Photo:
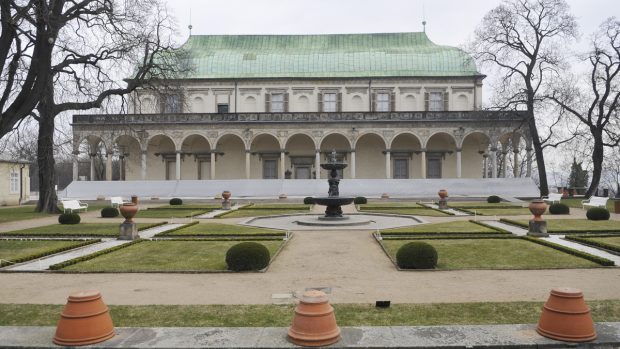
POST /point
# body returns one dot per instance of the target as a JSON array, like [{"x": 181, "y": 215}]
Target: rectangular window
[
  {"x": 14, "y": 182},
  {"x": 172, "y": 103},
  {"x": 277, "y": 103},
  {"x": 401, "y": 168},
  {"x": 330, "y": 104},
  {"x": 383, "y": 101},
  {"x": 436, "y": 101},
  {"x": 222, "y": 108},
  {"x": 270, "y": 169}
]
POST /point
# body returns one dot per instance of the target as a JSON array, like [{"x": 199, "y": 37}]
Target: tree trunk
[
  {"x": 538, "y": 152},
  {"x": 597, "y": 163},
  {"x": 45, "y": 154}
]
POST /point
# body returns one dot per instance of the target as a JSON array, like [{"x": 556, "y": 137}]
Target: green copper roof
[{"x": 316, "y": 56}]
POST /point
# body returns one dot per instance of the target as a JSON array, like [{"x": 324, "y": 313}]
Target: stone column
[
  {"x": 212, "y": 165},
  {"x": 247, "y": 164},
  {"x": 504, "y": 152},
  {"x": 529, "y": 162},
  {"x": 108, "y": 166},
  {"x": 423, "y": 163},
  {"x": 92, "y": 166},
  {"x": 388, "y": 163},
  {"x": 484, "y": 165},
  {"x": 143, "y": 165},
  {"x": 75, "y": 165},
  {"x": 178, "y": 166},
  {"x": 282, "y": 163},
  {"x": 493, "y": 155},
  {"x": 515, "y": 170},
  {"x": 459, "y": 164},
  {"x": 317, "y": 164},
  {"x": 352, "y": 164}
]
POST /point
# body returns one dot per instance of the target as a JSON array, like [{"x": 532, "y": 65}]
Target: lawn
[
  {"x": 508, "y": 211},
  {"x": 278, "y": 207},
  {"x": 215, "y": 229},
  {"x": 479, "y": 204},
  {"x": 456, "y": 227},
  {"x": 495, "y": 254},
  {"x": 612, "y": 240},
  {"x": 568, "y": 226},
  {"x": 270, "y": 315},
  {"x": 390, "y": 204},
  {"x": 608, "y": 242},
  {"x": 82, "y": 229},
  {"x": 20, "y": 213},
  {"x": 408, "y": 211},
  {"x": 14, "y": 250},
  {"x": 188, "y": 207},
  {"x": 577, "y": 203},
  {"x": 259, "y": 212},
  {"x": 167, "y": 256},
  {"x": 170, "y": 213}
]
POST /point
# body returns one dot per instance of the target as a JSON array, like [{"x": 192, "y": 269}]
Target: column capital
[
  {"x": 458, "y": 150},
  {"x": 493, "y": 149},
  {"x": 144, "y": 152},
  {"x": 423, "y": 150},
  {"x": 352, "y": 151},
  {"x": 317, "y": 151},
  {"x": 248, "y": 151},
  {"x": 178, "y": 151}
]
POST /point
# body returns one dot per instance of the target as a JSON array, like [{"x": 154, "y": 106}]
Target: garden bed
[
  {"x": 217, "y": 229},
  {"x": 74, "y": 230},
  {"x": 498, "y": 211},
  {"x": 19, "y": 251},
  {"x": 610, "y": 243},
  {"x": 447, "y": 228},
  {"x": 170, "y": 213},
  {"x": 572, "y": 226},
  {"x": 412, "y": 211}
]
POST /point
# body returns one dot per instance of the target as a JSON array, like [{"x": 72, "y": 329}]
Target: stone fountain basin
[
  {"x": 333, "y": 200},
  {"x": 334, "y": 166}
]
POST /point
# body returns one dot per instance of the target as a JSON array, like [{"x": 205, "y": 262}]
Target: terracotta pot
[
  {"x": 134, "y": 199},
  {"x": 385, "y": 196},
  {"x": 537, "y": 207},
  {"x": 566, "y": 317},
  {"x": 443, "y": 193},
  {"x": 128, "y": 210},
  {"x": 226, "y": 194},
  {"x": 314, "y": 323},
  {"x": 84, "y": 320}
]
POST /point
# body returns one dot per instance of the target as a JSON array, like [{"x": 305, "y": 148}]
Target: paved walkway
[
  {"x": 214, "y": 213},
  {"x": 508, "y": 227},
  {"x": 450, "y": 211}
]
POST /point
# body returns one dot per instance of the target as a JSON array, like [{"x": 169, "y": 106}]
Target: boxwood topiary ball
[
  {"x": 308, "y": 200},
  {"x": 360, "y": 200},
  {"x": 416, "y": 255},
  {"x": 247, "y": 256},
  {"x": 176, "y": 201},
  {"x": 109, "y": 212},
  {"x": 69, "y": 218},
  {"x": 597, "y": 214},
  {"x": 493, "y": 199},
  {"x": 559, "y": 208}
]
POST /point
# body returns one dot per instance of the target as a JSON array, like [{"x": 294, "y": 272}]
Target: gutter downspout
[
  {"x": 21, "y": 184},
  {"x": 235, "y": 97},
  {"x": 369, "y": 96}
]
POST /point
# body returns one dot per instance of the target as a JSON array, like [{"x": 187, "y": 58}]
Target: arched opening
[
  {"x": 370, "y": 157},
  {"x": 475, "y": 155},
  {"x": 161, "y": 158},
  {"x": 126, "y": 164},
  {"x": 441, "y": 156},
  {"x": 406, "y": 158},
  {"x": 196, "y": 162},
  {"x": 301, "y": 157},
  {"x": 265, "y": 159},
  {"x": 230, "y": 158},
  {"x": 91, "y": 159},
  {"x": 341, "y": 145}
]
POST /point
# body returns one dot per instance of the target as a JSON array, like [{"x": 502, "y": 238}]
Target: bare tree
[
  {"x": 522, "y": 38},
  {"x": 596, "y": 107}
]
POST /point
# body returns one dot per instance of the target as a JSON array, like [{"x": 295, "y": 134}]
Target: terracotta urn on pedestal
[
  {"x": 566, "y": 317},
  {"x": 314, "y": 323},
  {"x": 128, "y": 210},
  {"x": 84, "y": 320},
  {"x": 226, "y": 195},
  {"x": 443, "y": 193},
  {"x": 134, "y": 199},
  {"x": 537, "y": 207}
]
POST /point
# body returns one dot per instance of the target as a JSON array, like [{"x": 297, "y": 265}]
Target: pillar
[
  {"x": 459, "y": 166},
  {"x": 178, "y": 166},
  {"x": 143, "y": 165},
  {"x": 388, "y": 162},
  {"x": 529, "y": 162},
  {"x": 423, "y": 163},
  {"x": 282, "y": 163},
  {"x": 493, "y": 155},
  {"x": 92, "y": 166},
  {"x": 352, "y": 164},
  {"x": 75, "y": 165},
  {"x": 515, "y": 170},
  {"x": 317, "y": 163},
  {"x": 504, "y": 152},
  {"x": 247, "y": 164},
  {"x": 108, "y": 166},
  {"x": 212, "y": 165}
]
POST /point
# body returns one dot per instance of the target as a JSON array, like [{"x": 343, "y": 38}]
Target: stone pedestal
[
  {"x": 538, "y": 229},
  {"x": 225, "y": 204},
  {"x": 443, "y": 204},
  {"x": 128, "y": 231}
]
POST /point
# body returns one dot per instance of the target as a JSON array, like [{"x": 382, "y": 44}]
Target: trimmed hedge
[
  {"x": 416, "y": 255},
  {"x": 73, "y": 261},
  {"x": 176, "y": 201},
  {"x": 240, "y": 238},
  {"x": 559, "y": 208},
  {"x": 360, "y": 200},
  {"x": 494, "y": 199},
  {"x": 69, "y": 218},
  {"x": 586, "y": 241},
  {"x": 308, "y": 200},
  {"x": 109, "y": 212},
  {"x": 51, "y": 252},
  {"x": 247, "y": 256},
  {"x": 450, "y": 237},
  {"x": 597, "y": 214},
  {"x": 596, "y": 259}
]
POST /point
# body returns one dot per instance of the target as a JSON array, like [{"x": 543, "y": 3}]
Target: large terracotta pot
[
  {"x": 226, "y": 194},
  {"x": 84, "y": 320},
  {"x": 314, "y": 323},
  {"x": 128, "y": 210},
  {"x": 443, "y": 193},
  {"x": 537, "y": 207},
  {"x": 566, "y": 317}
]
